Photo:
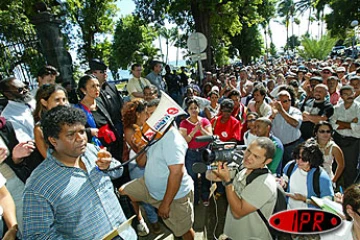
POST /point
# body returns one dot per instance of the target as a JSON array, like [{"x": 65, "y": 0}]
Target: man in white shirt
[
  {"x": 346, "y": 124},
  {"x": 136, "y": 84},
  {"x": 19, "y": 109}
]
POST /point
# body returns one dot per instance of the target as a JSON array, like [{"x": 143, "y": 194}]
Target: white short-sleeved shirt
[{"x": 169, "y": 150}]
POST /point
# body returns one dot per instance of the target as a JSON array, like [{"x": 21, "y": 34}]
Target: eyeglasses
[
  {"x": 324, "y": 131},
  {"x": 285, "y": 101},
  {"x": 251, "y": 120}
]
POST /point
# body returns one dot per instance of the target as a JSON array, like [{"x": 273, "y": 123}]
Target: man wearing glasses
[
  {"x": 46, "y": 75},
  {"x": 286, "y": 123},
  {"x": 326, "y": 72},
  {"x": 19, "y": 108},
  {"x": 346, "y": 124}
]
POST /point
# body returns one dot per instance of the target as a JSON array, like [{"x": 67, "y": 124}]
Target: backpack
[
  {"x": 280, "y": 204},
  {"x": 316, "y": 178}
]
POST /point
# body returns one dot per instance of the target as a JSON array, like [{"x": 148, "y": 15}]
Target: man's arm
[
  {"x": 173, "y": 185},
  {"x": 9, "y": 215},
  {"x": 38, "y": 217},
  {"x": 288, "y": 118},
  {"x": 238, "y": 206}
]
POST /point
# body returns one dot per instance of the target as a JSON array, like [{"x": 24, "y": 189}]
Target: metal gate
[{"x": 21, "y": 56}]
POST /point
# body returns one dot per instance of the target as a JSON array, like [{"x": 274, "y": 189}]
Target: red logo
[
  {"x": 304, "y": 221},
  {"x": 172, "y": 111},
  {"x": 149, "y": 134}
]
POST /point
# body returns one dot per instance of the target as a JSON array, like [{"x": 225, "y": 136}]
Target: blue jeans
[
  {"x": 136, "y": 172},
  {"x": 192, "y": 157}
]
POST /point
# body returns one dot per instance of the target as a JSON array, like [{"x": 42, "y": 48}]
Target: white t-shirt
[
  {"x": 344, "y": 232},
  {"x": 298, "y": 184}
]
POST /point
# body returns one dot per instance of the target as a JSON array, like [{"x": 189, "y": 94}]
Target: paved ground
[{"x": 205, "y": 218}]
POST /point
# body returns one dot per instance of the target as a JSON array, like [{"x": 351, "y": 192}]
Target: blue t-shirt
[{"x": 169, "y": 150}]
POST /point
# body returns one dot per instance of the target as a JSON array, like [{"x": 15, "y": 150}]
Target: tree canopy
[{"x": 132, "y": 43}]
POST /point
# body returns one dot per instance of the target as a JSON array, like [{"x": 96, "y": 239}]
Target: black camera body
[{"x": 223, "y": 151}]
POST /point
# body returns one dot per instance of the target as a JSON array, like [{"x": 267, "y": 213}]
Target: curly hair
[
  {"x": 45, "y": 92},
  {"x": 312, "y": 154},
  {"x": 352, "y": 198},
  {"x": 129, "y": 111},
  {"x": 59, "y": 116}
]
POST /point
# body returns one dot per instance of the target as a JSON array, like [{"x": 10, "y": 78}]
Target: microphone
[
  {"x": 210, "y": 138},
  {"x": 202, "y": 167}
]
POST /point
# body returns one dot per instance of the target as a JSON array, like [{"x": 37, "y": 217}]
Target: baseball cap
[{"x": 97, "y": 64}]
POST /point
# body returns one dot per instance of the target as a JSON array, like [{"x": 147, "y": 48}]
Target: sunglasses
[
  {"x": 326, "y": 72},
  {"x": 324, "y": 131},
  {"x": 251, "y": 120},
  {"x": 19, "y": 90},
  {"x": 285, "y": 101},
  {"x": 226, "y": 110}
]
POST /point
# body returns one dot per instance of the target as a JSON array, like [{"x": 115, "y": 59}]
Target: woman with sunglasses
[
  {"x": 299, "y": 177},
  {"x": 322, "y": 135},
  {"x": 47, "y": 97},
  {"x": 190, "y": 128}
]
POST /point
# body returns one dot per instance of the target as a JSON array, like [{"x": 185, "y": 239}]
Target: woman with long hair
[
  {"x": 47, "y": 97},
  {"x": 134, "y": 116},
  {"x": 190, "y": 128},
  {"x": 331, "y": 151},
  {"x": 100, "y": 128}
]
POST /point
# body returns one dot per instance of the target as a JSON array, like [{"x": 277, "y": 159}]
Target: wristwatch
[{"x": 227, "y": 183}]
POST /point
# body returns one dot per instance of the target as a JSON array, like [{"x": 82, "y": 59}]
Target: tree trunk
[
  {"x": 266, "y": 43},
  {"x": 161, "y": 51},
  {"x": 202, "y": 24},
  {"x": 308, "y": 29}
]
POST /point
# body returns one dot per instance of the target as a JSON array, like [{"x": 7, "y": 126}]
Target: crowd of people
[{"x": 62, "y": 149}]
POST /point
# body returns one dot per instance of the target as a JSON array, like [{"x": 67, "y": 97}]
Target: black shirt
[{"x": 315, "y": 108}]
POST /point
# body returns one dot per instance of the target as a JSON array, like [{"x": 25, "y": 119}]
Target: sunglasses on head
[{"x": 324, "y": 131}]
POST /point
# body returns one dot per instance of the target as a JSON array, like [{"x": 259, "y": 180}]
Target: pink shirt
[
  {"x": 189, "y": 126},
  {"x": 334, "y": 98}
]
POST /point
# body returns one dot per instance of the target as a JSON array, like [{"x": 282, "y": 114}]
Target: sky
[{"x": 279, "y": 31}]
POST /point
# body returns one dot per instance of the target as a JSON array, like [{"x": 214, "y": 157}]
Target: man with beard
[
  {"x": 19, "y": 109},
  {"x": 346, "y": 124},
  {"x": 315, "y": 110}
]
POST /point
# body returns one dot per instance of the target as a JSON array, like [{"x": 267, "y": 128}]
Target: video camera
[{"x": 218, "y": 151}]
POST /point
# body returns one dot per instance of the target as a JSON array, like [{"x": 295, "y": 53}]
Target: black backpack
[
  {"x": 316, "y": 178},
  {"x": 280, "y": 204}
]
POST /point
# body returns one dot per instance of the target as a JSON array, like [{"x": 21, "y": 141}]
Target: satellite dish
[{"x": 197, "y": 42}]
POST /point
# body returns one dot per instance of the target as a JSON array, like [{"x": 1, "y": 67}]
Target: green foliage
[
  {"x": 249, "y": 43},
  {"x": 218, "y": 20},
  {"x": 293, "y": 42},
  {"x": 318, "y": 49},
  {"x": 87, "y": 20},
  {"x": 132, "y": 43},
  {"x": 344, "y": 12}
]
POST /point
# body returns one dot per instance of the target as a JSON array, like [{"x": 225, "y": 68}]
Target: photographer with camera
[{"x": 242, "y": 219}]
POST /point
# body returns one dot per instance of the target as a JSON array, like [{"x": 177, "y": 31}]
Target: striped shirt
[{"x": 63, "y": 202}]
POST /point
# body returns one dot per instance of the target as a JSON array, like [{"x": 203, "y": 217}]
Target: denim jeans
[
  {"x": 137, "y": 172},
  {"x": 193, "y": 156}
]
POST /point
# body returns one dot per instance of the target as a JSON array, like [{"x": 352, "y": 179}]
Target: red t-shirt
[
  {"x": 189, "y": 126},
  {"x": 226, "y": 131}
]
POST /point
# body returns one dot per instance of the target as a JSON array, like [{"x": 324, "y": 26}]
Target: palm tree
[
  {"x": 170, "y": 36},
  {"x": 286, "y": 9},
  {"x": 304, "y": 5}
]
